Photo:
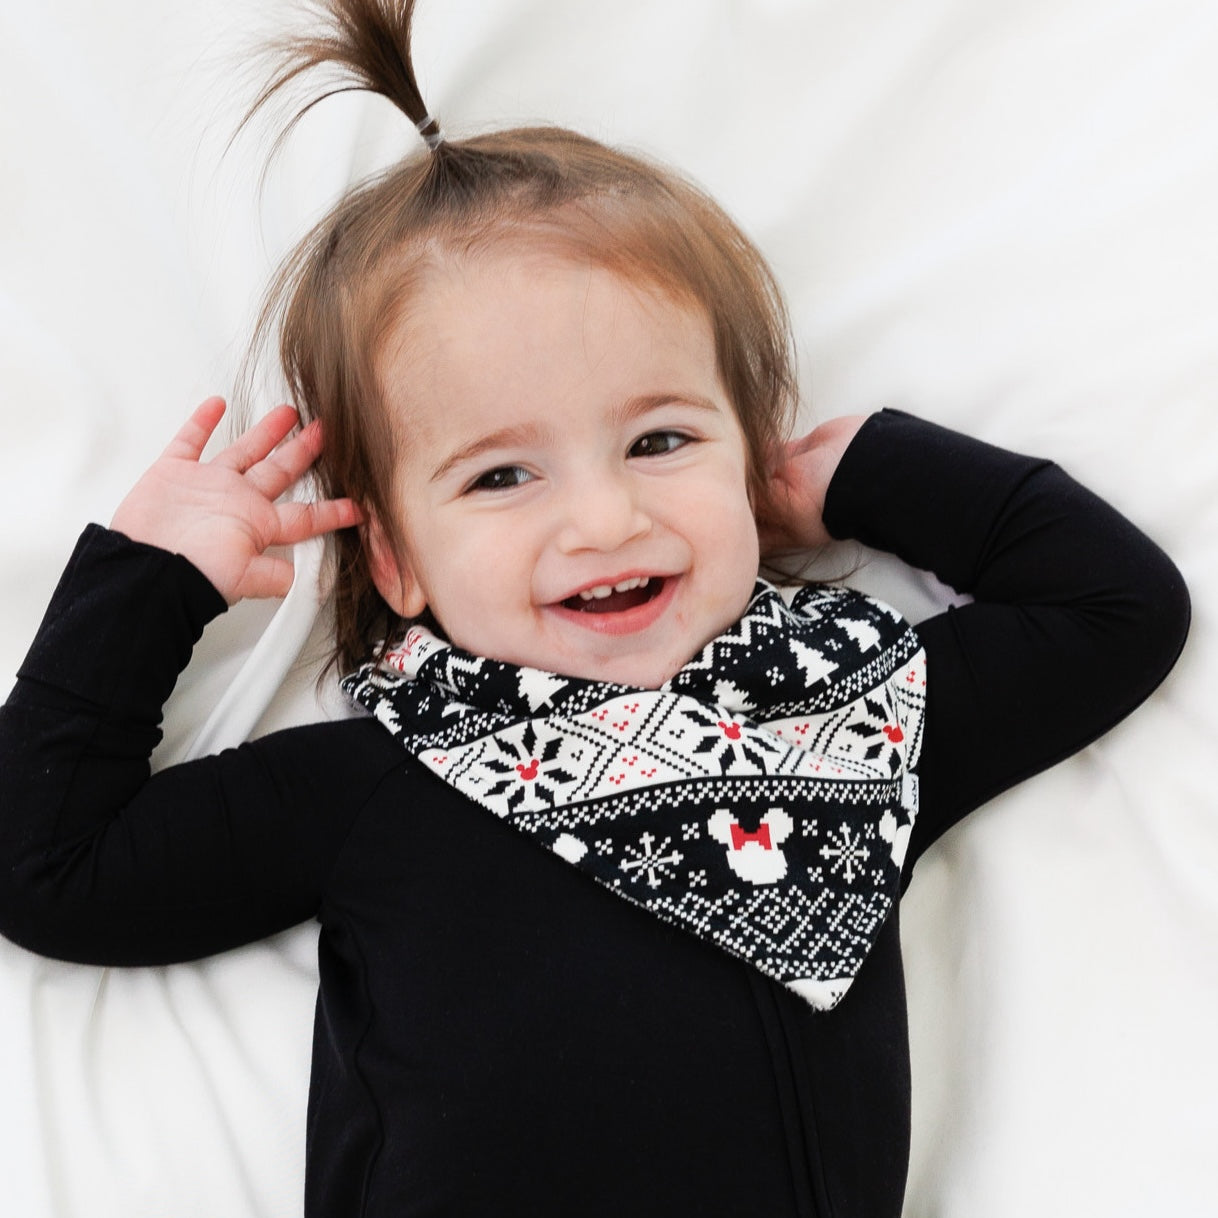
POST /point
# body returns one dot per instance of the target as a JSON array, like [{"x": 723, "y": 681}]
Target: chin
[{"x": 642, "y": 676}]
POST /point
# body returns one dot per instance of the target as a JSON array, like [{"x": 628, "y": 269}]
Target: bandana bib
[{"x": 761, "y": 799}]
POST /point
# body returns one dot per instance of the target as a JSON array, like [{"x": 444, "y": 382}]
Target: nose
[{"x": 602, "y": 511}]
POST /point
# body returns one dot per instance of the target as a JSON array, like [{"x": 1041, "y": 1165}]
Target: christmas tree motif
[
  {"x": 865, "y": 635},
  {"x": 815, "y": 665},
  {"x": 539, "y": 688}
]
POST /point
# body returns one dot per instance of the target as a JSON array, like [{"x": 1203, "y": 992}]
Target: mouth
[
  {"x": 625, "y": 607},
  {"x": 619, "y": 597}
]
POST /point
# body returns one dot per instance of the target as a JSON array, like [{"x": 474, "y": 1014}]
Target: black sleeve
[
  {"x": 1077, "y": 616},
  {"x": 103, "y": 864}
]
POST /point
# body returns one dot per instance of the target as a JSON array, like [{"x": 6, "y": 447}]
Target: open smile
[
  {"x": 623, "y": 607},
  {"x": 616, "y": 598}
]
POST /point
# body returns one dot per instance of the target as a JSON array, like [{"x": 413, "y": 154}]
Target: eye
[
  {"x": 502, "y": 478},
  {"x": 656, "y": 443}
]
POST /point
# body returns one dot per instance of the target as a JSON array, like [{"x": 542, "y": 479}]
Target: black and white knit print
[{"x": 762, "y": 798}]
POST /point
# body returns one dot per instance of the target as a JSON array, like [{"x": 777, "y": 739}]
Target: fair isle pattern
[{"x": 762, "y": 798}]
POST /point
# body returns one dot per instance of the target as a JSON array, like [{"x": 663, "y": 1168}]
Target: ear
[{"x": 394, "y": 578}]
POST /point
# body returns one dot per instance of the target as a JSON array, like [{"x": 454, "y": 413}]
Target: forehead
[{"x": 519, "y": 331}]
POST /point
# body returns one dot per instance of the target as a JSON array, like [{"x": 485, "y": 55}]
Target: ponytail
[{"x": 369, "y": 42}]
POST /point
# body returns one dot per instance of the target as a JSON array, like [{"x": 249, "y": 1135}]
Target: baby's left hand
[{"x": 799, "y": 480}]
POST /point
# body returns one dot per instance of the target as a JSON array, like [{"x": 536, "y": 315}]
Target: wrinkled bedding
[{"x": 998, "y": 217}]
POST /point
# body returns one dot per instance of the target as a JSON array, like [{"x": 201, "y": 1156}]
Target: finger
[
  {"x": 266, "y": 576},
  {"x": 782, "y": 455},
  {"x": 300, "y": 521},
  {"x": 192, "y": 438},
  {"x": 259, "y": 441},
  {"x": 288, "y": 463},
  {"x": 802, "y": 444}
]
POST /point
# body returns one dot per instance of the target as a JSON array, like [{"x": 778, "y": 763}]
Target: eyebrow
[
  {"x": 520, "y": 435},
  {"x": 633, "y": 408},
  {"x": 523, "y": 435}
]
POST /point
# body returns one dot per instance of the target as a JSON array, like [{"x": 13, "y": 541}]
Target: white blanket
[{"x": 1001, "y": 217}]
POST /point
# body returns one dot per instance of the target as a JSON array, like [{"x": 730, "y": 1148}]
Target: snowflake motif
[
  {"x": 875, "y": 733},
  {"x": 649, "y": 858},
  {"x": 604, "y": 846},
  {"x": 690, "y": 830},
  {"x": 724, "y": 742},
  {"x": 697, "y": 879},
  {"x": 809, "y": 828},
  {"x": 530, "y": 766},
  {"x": 846, "y": 852}
]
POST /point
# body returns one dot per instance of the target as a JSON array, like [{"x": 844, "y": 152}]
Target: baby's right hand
[
  {"x": 791, "y": 518},
  {"x": 222, "y": 514}
]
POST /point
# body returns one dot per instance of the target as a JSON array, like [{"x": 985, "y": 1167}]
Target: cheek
[
  {"x": 472, "y": 571},
  {"x": 747, "y": 551},
  {"x": 727, "y": 502},
  {"x": 742, "y": 555},
  {"x": 727, "y": 533}
]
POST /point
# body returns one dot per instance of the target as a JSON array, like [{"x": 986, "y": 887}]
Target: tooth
[{"x": 600, "y": 591}]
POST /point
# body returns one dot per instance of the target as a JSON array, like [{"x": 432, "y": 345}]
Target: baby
[{"x": 548, "y": 388}]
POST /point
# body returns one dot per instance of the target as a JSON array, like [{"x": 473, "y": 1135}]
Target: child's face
[{"x": 572, "y": 488}]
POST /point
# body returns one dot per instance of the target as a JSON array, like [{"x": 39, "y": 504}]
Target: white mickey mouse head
[{"x": 753, "y": 855}]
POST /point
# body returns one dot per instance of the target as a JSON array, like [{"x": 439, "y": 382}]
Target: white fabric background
[{"x": 998, "y": 216}]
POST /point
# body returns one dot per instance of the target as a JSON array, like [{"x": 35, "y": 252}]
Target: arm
[
  {"x": 1077, "y": 616},
  {"x": 98, "y": 862}
]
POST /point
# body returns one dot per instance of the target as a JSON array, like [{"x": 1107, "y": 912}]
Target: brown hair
[{"x": 339, "y": 294}]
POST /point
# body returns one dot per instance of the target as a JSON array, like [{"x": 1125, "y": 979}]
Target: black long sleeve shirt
[{"x": 496, "y": 1034}]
